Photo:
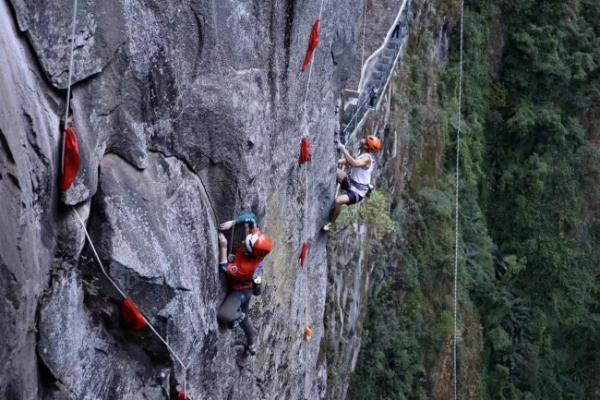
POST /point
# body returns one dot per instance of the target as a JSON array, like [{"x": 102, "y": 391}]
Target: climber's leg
[
  {"x": 247, "y": 326},
  {"x": 229, "y": 313},
  {"x": 337, "y": 206}
]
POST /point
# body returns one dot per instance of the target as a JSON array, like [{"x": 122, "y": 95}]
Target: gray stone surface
[{"x": 186, "y": 113}]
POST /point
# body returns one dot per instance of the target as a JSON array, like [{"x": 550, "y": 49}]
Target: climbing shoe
[
  {"x": 252, "y": 349},
  {"x": 237, "y": 322}
]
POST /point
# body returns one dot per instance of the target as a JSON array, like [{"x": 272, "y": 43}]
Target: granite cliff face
[{"x": 187, "y": 113}]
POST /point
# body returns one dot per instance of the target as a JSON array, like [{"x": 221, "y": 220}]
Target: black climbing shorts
[{"x": 353, "y": 196}]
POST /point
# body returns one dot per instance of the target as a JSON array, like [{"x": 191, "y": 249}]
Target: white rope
[
  {"x": 456, "y": 202},
  {"x": 96, "y": 256},
  {"x": 68, "y": 101},
  {"x": 164, "y": 342},
  {"x": 121, "y": 292},
  {"x": 312, "y": 62},
  {"x": 321, "y": 9},
  {"x": 362, "y": 59}
]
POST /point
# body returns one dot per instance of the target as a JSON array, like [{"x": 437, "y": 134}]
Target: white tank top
[{"x": 362, "y": 177}]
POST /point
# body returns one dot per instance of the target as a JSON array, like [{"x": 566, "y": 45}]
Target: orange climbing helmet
[
  {"x": 373, "y": 143},
  {"x": 258, "y": 243}
]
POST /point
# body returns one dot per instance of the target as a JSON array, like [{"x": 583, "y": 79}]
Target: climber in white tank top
[
  {"x": 360, "y": 178},
  {"x": 357, "y": 184}
]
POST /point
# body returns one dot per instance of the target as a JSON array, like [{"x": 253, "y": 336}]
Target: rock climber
[
  {"x": 396, "y": 32},
  {"x": 373, "y": 93},
  {"x": 244, "y": 275},
  {"x": 357, "y": 184}
]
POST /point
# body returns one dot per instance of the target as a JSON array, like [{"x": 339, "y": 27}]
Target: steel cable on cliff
[{"x": 456, "y": 204}]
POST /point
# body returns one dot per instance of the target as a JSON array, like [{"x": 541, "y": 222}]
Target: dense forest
[{"x": 529, "y": 304}]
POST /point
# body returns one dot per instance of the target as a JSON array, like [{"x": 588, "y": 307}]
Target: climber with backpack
[
  {"x": 243, "y": 271},
  {"x": 357, "y": 184}
]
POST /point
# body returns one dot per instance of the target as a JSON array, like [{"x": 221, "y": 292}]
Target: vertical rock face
[
  {"x": 357, "y": 262},
  {"x": 186, "y": 113},
  {"x": 28, "y": 235}
]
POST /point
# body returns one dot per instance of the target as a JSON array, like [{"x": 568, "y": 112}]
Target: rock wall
[{"x": 187, "y": 113}]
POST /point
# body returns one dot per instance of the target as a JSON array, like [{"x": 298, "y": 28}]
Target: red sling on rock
[
  {"x": 313, "y": 41},
  {"x": 131, "y": 316},
  {"x": 305, "y": 151},
  {"x": 71, "y": 159}
]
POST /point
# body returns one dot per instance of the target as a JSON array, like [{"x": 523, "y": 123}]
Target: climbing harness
[{"x": 456, "y": 203}]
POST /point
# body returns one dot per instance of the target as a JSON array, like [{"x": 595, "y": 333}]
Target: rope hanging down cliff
[
  {"x": 121, "y": 292},
  {"x": 313, "y": 42},
  {"x": 317, "y": 22},
  {"x": 305, "y": 155},
  {"x": 456, "y": 203},
  {"x": 70, "y": 153},
  {"x": 70, "y": 76}
]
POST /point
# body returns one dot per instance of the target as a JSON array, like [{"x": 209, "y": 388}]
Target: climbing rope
[
  {"x": 70, "y": 75},
  {"x": 364, "y": 35},
  {"x": 232, "y": 233},
  {"x": 96, "y": 256},
  {"x": 121, "y": 292},
  {"x": 78, "y": 216},
  {"x": 456, "y": 202}
]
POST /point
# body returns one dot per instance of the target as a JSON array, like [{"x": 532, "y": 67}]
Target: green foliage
[
  {"x": 529, "y": 252},
  {"x": 91, "y": 286},
  {"x": 375, "y": 212}
]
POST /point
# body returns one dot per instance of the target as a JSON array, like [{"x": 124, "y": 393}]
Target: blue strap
[{"x": 246, "y": 218}]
